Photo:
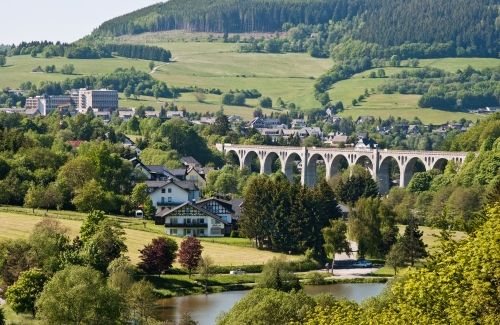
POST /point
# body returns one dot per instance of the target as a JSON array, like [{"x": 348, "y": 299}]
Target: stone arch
[
  {"x": 365, "y": 162},
  {"x": 233, "y": 158},
  {"x": 269, "y": 162},
  {"x": 413, "y": 165},
  {"x": 387, "y": 168},
  {"x": 440, "y": 164},
  {"x": 311, "y": 175},
  {"x": 250, "y": 159},
  {"x": 288, "y": 166},
  {"x": 339, "y": 163}
]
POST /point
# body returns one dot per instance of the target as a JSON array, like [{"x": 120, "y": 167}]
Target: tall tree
[
  {"x": 396, "y": 257},
  {"x": 335, "y": 238},
  {"x": 206, "y": 269},
  {"x": 105, "y": 245},
  {"x": 412, "y": 242},
  {"x": 190, "y": 254}
]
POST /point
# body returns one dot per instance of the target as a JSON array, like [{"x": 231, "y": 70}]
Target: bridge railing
[{"x": 394, "y": 152}]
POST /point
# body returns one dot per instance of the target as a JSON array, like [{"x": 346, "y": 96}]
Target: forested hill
[{"x": 466, "y": 23}]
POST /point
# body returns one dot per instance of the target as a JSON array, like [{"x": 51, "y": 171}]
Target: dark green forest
[{"x": 471, "y": 26}]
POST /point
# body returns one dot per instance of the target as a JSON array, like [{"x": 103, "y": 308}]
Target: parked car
[
  {"x": 363, "y": 263},
  {"x": 235, "y": 272}
]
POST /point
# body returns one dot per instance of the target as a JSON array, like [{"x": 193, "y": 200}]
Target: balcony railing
[
  {"x": 165, "y": 203},
  {"x": 186, "y": 225}
]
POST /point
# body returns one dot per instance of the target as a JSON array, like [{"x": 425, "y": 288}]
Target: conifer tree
[{"x": 413, "y": 245}]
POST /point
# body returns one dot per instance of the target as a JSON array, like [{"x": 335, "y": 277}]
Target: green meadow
[{"x": 289, "y": 76}]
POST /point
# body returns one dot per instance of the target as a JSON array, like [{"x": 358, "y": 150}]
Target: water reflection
[{"x": 206, "y": 308}]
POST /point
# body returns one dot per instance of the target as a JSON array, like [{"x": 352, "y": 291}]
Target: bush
[
  {"x": 316, "y": 278},
  {"x": 266, "y": 102},
  {"x": 234, "y": 234}
]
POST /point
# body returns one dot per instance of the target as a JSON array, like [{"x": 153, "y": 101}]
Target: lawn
[
  {"x": 219, "y": 65},
  {"x": 405, "y": 106},
  {"x": 18, "y": 222},
  {"x": 187, "y": 101},
  {"x": 19, "y": 68}
]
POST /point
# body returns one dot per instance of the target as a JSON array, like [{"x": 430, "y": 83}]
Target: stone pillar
[
  {"x": 304, "y": 179},
  {"x": 376, "y": 164}
]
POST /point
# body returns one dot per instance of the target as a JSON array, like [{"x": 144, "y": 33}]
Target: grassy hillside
[
  {"x": 19, "y": 68},
  {"x": 219, "y": 65},
  {"x": 405, "y": 106},
  {"x": 18, "y": 222}
]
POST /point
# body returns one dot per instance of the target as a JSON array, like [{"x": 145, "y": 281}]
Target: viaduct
[{"x": 377, "y": 161}]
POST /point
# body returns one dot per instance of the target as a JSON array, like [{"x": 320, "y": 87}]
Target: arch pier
[{"x": 382, "y": 164}]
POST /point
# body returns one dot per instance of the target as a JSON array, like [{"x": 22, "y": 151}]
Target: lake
[{"x": 205, "y": 308}]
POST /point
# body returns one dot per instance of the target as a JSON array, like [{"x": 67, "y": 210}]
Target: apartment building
[
  {"x": 46, "y": 104},
  {"x": 102, "y": 100}
]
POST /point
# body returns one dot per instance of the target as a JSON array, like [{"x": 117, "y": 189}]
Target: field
[
  {"x": 187, "y": 101},
  {"x": 19, "y": 68},
  {"x": 18, "y": 222},
  {"x": 290, "y": 76},
  {"x": 405, "y": 106}
]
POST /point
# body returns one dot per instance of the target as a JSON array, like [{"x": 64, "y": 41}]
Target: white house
[
  {"x": 172, "y": 193},
  {"x": 191, "y": 220}
]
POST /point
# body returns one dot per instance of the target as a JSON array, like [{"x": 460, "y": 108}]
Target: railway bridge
[{"x": 377, "y": 161}]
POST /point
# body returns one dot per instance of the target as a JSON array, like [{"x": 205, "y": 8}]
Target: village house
[
  {"x": 126, "y": 114},
  {"x": 151, "y": 114},
  {"x": 172, "y": 114},
  {"x": 190, "y": 161},
  {"x": 336, "y": 140},
  {"x": 298, "y": 123},
  {"x": 190, "y": 219},
  {"x": 198, "y": 176},
  {"x": 266, "y": 123},
  {"x": 171, "y": 193}
]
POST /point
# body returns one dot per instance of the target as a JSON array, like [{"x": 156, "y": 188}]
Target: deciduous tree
[
  {"x": 23, "y": 294},
  {"x": 78, "y": 295},
  {"x": 158, "y": 256},
  {"x": 190, "y": 254}
]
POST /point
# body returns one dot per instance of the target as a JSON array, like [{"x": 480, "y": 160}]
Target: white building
[
  {"x": 172, "y": 193},
  {"x": 101, "y": 100},
  {"x": 46, "y": 104},
  {"x": 189, "y": 219}
]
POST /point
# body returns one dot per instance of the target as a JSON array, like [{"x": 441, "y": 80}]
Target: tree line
[
  {"x": 465, "y": 89},
  {"x": 83, "y": 50},
  {"x": 468, "y": 28}
]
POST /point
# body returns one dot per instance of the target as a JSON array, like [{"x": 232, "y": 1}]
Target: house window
[
  {"x": 187, "y": 231},
  {"x": 173, "y": 232},
  {"x": 174, "y": 221},
  {"x": 188, "y": 221},
  {"x": 201, "y": 220},
  {"x": 169, "y": 199},
  {"x": 163, "y": 190},
  {"x": 169, "y": 190},
  {"x": 201, "y": 232}
]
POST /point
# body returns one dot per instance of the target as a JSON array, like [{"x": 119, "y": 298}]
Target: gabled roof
[
  {"x": 185, "y": 185},
  {"x": 208, "y": 213},
  {"x": 189, "y": 160},
  {"x": 158, "y": 169},
  {"x": 224, "y": 203}
]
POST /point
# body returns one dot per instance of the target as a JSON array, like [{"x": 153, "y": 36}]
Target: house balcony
[
  {"x": 186, "y": 225},
  {"x": 167, "y": 204}
]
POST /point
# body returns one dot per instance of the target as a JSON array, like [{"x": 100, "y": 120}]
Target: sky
[{"x": 59, "y": 20}]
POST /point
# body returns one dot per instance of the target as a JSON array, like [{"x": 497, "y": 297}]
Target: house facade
[
  {"x": 189, "y": 219},
  {"x": 171, "y": 193}
]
